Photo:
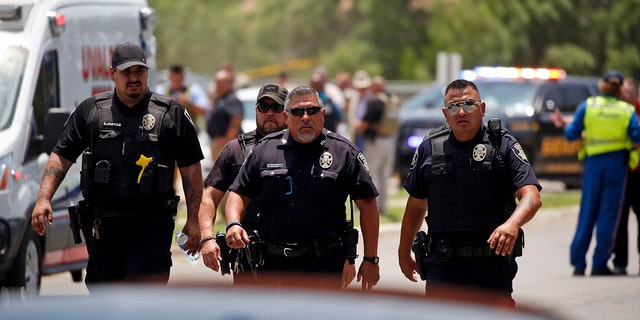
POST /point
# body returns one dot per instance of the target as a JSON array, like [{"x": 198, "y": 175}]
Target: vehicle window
[
  {"x": 507, "y": 98},
  {"x": 566, "y": 97},
  {"x": 432, "y": 97},
  {"x": 47, "y": 91},
  {"x": 12, "y": 62}
]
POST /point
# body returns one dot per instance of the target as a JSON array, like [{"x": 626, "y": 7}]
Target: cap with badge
[
  {"x": 127, "y": 55},
  {"x": 274, "y": 91}
]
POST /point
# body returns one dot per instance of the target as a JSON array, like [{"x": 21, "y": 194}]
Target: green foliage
[{"x": 399, "y": 39}]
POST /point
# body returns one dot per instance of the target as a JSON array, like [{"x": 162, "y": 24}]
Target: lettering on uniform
[
  {"x": 112, "y": 124},
  {"x": 363, "y": 161},
  {"x": 326, "y": 159},
  {"x": 273, "y": 165},
  {"x": 148, "y": 121},
  {"x": 414, "y": 160},
  {"x": 519, "y": 152},
  {"x": 479, "y": 152},
  {"x": 188, "y": 116}
]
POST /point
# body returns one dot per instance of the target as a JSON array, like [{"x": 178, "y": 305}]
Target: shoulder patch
[
  {"x": 363, "y": 161},
  {"x": 414, "y": 160},
  {"x": 519, "y": 153}
]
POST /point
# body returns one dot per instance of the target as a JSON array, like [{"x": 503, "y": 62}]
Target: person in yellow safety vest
[{"x": 609, "y": 128}]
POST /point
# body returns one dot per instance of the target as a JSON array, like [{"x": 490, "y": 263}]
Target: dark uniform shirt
[
  {"x": 375, "y": 109},
  {"x": 177, "y": 142},
  {"x": 219, "y": 118},
  {"x": 304, "y": 187},
  {"x": 464, "y": 194},
  {"x": 225, "y": 170}
]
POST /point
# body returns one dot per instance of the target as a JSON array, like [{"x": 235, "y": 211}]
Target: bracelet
[
  {"x": 231, "y": 224},
  {"x": 207, "y": 239}
]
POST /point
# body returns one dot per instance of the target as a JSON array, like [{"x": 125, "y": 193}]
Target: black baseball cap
[
  {"x": 274, "y": 91},
  {"x": 126, "y": 55},
  {"x": 613, "y": 76}
]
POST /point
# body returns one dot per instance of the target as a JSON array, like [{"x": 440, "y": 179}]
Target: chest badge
[
  {"x": 148, "y": 121},
  {"x": 326, "y": 159},
  {"x": 479, "y": 152}
]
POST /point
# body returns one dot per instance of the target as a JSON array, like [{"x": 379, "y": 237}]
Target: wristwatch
[{"x": 374, "y": 260}]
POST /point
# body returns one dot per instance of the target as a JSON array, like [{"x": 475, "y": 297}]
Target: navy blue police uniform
[
  {"x": 226, "y": 169},
  {"x": 470, "y": 190},
  {"x": 130, "y": 215},
  {"x": 304, "y": 188}
]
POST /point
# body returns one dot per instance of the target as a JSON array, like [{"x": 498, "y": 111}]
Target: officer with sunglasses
[
  {"x": 467, "y": 176},
  {"x": 303, "y": 177},
  {"x": 270, "y": 118}
]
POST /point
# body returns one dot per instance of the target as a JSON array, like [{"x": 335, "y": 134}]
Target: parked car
[{"x": 523, "y": 99}]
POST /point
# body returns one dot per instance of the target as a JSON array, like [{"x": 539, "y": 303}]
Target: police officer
[
  {"x": 303, "y": 176},
  {"x": 132, "y": 139},
  {"x": 467, "y": 177},
  {"x": 270, "y": 117}
]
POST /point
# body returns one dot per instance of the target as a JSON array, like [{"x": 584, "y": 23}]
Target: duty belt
[
  {"x": 291, "y": 251},
  {"x": 445, "y": 250}
]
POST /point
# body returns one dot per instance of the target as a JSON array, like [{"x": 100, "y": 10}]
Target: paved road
[{"x": 544, "y": 278}]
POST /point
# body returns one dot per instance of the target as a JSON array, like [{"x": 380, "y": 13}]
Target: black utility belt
[
  {"x": 107, "y": 213},
  {"x": 444, "y": 249},
  {"x": 318, "y": 248}
]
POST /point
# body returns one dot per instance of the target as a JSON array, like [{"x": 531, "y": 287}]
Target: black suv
[{"x": 524, "y": 106}]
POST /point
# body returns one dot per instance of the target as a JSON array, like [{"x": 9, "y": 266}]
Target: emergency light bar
[{"x": 513, "y": 73}]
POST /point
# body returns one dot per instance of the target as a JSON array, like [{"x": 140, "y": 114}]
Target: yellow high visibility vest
[{"x": 606, "y": 121}]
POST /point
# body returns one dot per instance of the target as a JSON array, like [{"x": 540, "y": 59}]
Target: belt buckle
[{"x": 287, "y": 250}]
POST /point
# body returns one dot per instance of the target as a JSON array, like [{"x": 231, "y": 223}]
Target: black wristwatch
[{"x": 374, "y": 260}]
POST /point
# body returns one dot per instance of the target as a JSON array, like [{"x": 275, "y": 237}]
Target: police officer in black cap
[
  {"x": 303, "y": 177},
  {"x": 467, "y": 176},
  {"x": 270, "y": 117},
  {"x": 131, "y": 140}
]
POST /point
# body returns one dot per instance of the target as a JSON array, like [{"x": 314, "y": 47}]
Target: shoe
[
  {"x": 620, "y": 271},
  {"x": 602, "y": 272},
  {"x": 578, "y": 272}
]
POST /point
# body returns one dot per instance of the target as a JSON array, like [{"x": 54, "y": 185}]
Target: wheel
[
  {"x": 26, "y": 272},
  {"x": 76, "y": 275}
]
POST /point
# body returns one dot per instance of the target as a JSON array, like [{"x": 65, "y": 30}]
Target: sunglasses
[
  {"x": 467, "y": 105},
  {"x": 264, "y": 108},
  {"x": 299, "y": 112}
]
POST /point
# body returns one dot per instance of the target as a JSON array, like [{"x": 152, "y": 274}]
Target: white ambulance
[{"x": 53, "y": 55}]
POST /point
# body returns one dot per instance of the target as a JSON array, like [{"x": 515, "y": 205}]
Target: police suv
[
  {"x": 524, "y": 99},
  {"x": 53, "y": 55}
]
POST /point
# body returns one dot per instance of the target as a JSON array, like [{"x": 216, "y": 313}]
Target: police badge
[
  {"x": 479, "y": 152},
  {"x": 326, "y": 159},
  {"x": 148, "y": 121}
]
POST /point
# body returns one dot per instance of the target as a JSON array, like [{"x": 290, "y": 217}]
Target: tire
[{"x": 26, "y": 272}]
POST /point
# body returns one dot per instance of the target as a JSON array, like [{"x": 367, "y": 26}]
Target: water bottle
[{"x": 181, "y": 240}]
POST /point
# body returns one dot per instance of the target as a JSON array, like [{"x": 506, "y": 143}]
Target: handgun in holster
[
  {"x": 350, "y": 242},
  {"x": 519, "y": 245},
  {"x": 225, "y": 264},
  {"x": 421, "y": 249},
  {"x": 75, "y": 222},
  {"x": 254, "y": 253}
]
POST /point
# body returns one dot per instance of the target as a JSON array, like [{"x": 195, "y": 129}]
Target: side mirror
[{"x": 53, "y": 125}]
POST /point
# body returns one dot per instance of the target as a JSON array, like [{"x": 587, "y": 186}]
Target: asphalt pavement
[{"x": 543, "y": 281}]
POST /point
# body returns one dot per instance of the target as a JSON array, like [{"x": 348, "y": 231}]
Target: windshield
[
  {"x": 501, "y": 98},
  {"x": 12, "y": 62},
  {"x": 508, "y": 98}
]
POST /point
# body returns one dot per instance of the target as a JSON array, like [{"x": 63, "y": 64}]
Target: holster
[
  {"x": 350, "y": 242},
  {"x": 75, "y": 212},
  {"x": 421, "y": 249},
  {"x": 225, "y": 264}
]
